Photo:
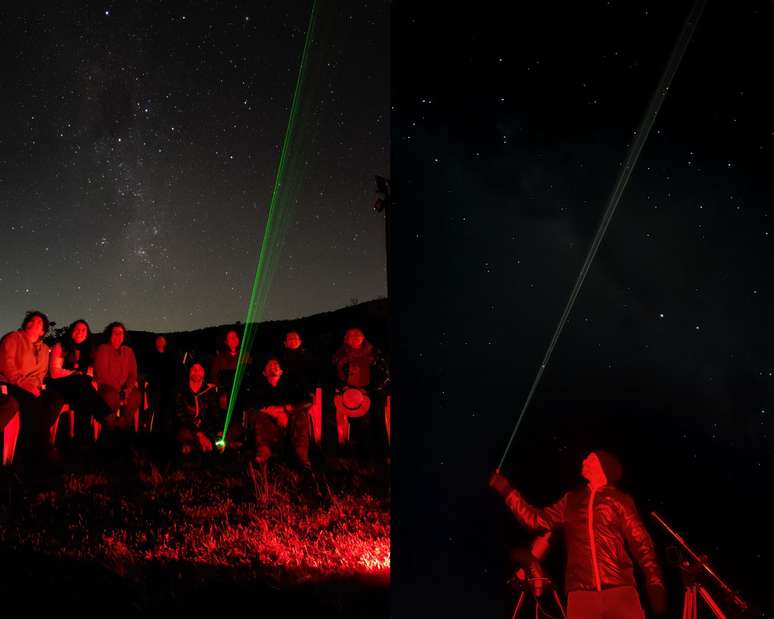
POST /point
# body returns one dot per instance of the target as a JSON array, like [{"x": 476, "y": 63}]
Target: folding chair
[
  {"x": 10, "y": 432},
  {"x": 65, "y": 410}
]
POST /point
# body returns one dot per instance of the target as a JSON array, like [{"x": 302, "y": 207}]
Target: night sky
[
  {"x": 507, "y": 133},
  {"x": 139, "y": 147}
]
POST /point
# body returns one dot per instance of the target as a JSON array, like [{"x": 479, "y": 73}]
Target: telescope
[{"x": 691, "y": 570}]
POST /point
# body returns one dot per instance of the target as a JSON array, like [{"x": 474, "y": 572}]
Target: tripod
[
  {"x": 690, "y": 600},
  {"x": 536, "y": 587},
  {"x": 693, "y": 588},
  {"x": 694, "y": 591}
]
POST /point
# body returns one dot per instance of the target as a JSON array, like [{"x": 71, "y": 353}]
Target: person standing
[
  {"x": 164, "y": 372},
  {"x": 602, "y": 532},
  {"x": 298, "y": 364},
  {"x": 224, "y": 366}
]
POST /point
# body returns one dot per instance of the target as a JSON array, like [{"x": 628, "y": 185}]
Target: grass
[{"x": 130, "y": 515}]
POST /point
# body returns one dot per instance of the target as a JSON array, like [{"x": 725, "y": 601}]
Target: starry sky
[
  {"x": 139, "y": 148},
  {"x": 508, "y": 134}
]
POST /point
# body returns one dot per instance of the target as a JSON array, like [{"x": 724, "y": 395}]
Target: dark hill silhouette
[{"x": 321, "y": 333}]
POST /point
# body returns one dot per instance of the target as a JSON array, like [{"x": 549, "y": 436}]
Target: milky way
[{"x": 140, "y": 146}]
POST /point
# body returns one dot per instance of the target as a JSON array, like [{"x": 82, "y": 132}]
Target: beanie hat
[{"x": 610, "y": 465}]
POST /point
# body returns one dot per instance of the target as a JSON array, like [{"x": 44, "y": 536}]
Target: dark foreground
[{"x": 125, "y": 532}]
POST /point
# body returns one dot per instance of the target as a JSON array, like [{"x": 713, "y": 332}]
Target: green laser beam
[{"x": 266, "y": 256}]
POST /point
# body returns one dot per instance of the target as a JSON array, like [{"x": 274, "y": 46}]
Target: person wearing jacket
[
  {"x": 71, "y": 369},
  {"x": 602, "y": 532},
  {"x": 280, "y": 413},
  {"x": 299, "y": 365},
  {"x": 23, "y": 368},
  {"x": 355, "y": 359},
  {"x": 360, "y": 365},
  {"x": 196, "y": 413},
  {"x": 115, "y": 371},
  {"x": 165, "y": 373},
  {"x": 224, "y": 366}
]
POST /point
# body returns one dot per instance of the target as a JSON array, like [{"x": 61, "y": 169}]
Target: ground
[{"x": 120, "y": 529}]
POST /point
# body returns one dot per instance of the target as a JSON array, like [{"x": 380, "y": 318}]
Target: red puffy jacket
[{"x": 598, "y": 560}]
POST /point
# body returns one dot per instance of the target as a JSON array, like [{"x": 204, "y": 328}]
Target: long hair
[
  {"x": 75, "y": 323},
  {"x": 109, "y": 329},
  {"x": 69, "y": 347}
]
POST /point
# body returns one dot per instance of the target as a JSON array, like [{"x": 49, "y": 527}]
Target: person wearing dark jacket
[
  {"x": 600, "y": 523},
  {"x": 196, "y": 413},
  {"x": 164, "y": 372},
  {"x": 71, "y": 370},
  {"x": 280, "y": 411},
  {"x": 224, "y": 365},
  {"x": 298, "y": 364}
]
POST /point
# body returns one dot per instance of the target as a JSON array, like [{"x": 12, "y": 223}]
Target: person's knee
[
  {"x": 133, "y": 400},
  {"x": 132, "y": 404},
  {"x": 300, "y": 418},
  {"x": 185, "y": 440},
  {"x": 99, "y": 406},
  {"x": 110, "y": 396},
  {"x": 9, "y": 408},
  {"x": 55, "y": 401}
]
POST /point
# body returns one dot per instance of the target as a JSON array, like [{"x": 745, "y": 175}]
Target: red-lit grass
[{"x": 213, "y": 513}]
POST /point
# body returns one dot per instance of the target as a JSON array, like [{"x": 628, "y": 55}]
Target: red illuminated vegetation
[{"x": 213, "y": 515}]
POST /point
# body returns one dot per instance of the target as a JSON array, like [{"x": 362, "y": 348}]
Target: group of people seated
[{"x": 189, "y": 401}]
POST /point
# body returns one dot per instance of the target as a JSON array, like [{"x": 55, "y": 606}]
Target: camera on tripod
[{"x": 530, "y": 578}]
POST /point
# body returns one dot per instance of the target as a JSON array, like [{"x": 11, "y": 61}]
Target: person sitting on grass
[
  {"x": 196, "y": 413},
  {"x": 280, "y": 413}
]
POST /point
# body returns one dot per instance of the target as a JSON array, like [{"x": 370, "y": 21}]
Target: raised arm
[{"x": 534, "y": 518}]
